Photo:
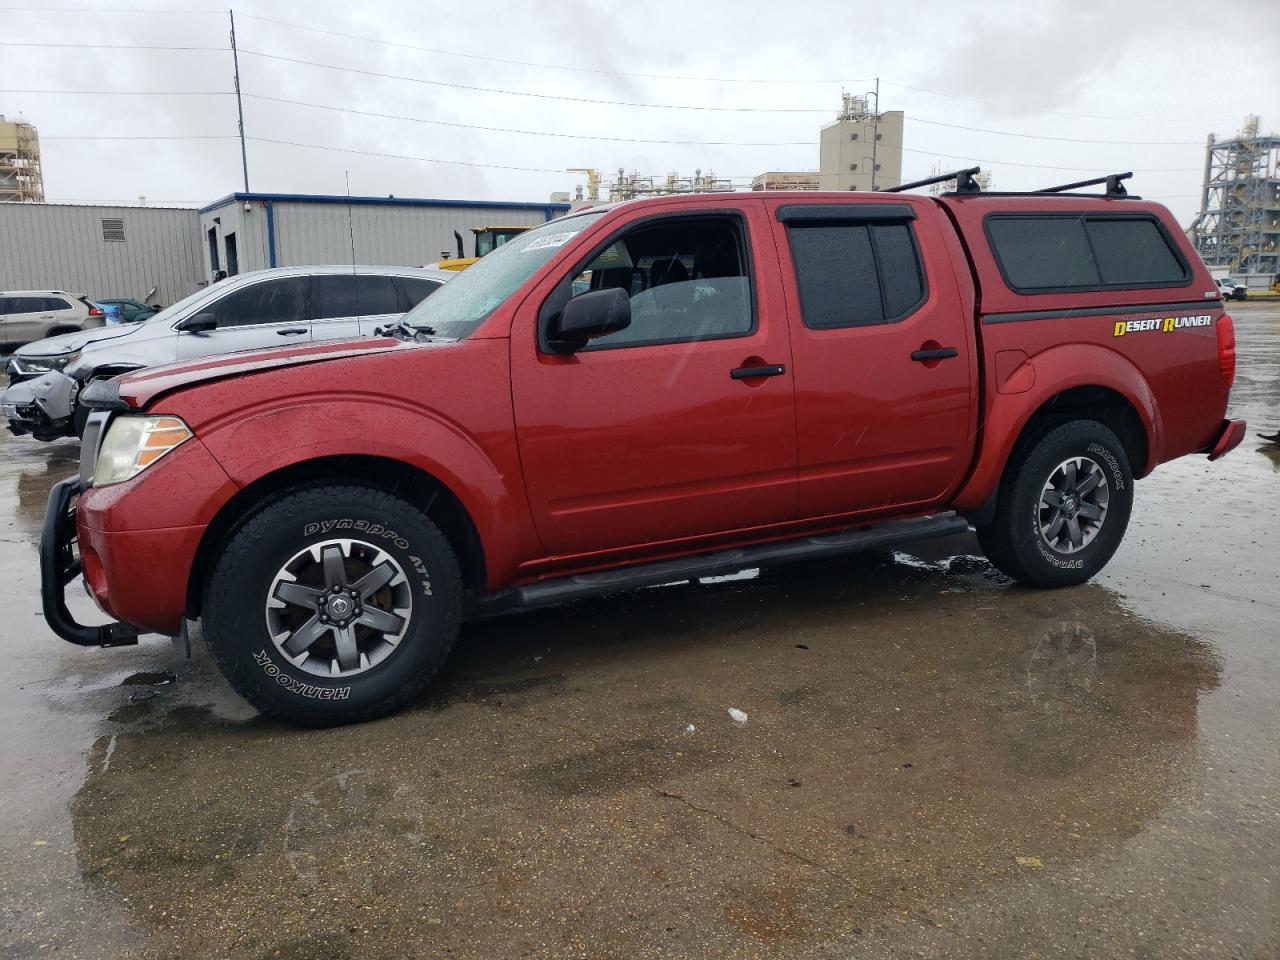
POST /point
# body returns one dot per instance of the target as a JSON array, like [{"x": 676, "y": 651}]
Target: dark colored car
[{"x": 131, "y": 311}]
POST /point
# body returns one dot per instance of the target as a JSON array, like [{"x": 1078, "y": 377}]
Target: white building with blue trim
[
  {"x": 127, "y": 251},
  {"x": 251, "y": 231}
]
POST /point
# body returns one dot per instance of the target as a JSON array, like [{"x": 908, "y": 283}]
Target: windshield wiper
[{"x": 405, "y": 329}]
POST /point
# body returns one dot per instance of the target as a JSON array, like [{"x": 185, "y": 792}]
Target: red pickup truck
[{"x": 654, "y": 391}]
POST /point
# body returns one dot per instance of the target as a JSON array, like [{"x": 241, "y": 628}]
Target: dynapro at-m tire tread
[
  {"x": 234, "y": 619},
  {"x": 1012, "y": 541}
]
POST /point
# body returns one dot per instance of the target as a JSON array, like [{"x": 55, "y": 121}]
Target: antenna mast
[{"x": 235, "y": 59}]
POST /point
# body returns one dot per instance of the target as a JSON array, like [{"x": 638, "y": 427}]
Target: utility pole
[
  {"x": 235, "y": 59},
  {"x": 875, "y": 137}
]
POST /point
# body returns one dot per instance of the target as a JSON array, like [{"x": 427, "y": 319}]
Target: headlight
[
  {"x": 134, "y": 443},
  {"x": 44, "y": 364}
]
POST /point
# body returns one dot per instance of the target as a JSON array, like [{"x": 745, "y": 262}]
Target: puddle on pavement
[{"x": 915, "y": 724}]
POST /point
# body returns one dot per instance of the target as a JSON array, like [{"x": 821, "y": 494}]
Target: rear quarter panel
[{"x": 1168, "y": 371}]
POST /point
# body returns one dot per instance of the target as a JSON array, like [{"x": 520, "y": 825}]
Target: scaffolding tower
[
  {"x": 20, "y": 179},
  {"x": 1238, "y": 226}
]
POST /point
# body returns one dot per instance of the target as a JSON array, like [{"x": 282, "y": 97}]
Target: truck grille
[{"x": 89, "y": 445}]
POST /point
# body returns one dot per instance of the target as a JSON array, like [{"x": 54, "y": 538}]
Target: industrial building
[
  {"x": 121, "y": 251},
  {"x": 103, "y": 251},
  {"x": 786, "y": 180},
  {"x": 1238, "y": 226},
  {"x": 20, "y": 177},
  {"x": 252, "y": 231},
  {"x": 860, "y": 150}
]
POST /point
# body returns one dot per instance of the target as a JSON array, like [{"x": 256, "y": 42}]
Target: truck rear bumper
[{"x": 1229, "y": 436}]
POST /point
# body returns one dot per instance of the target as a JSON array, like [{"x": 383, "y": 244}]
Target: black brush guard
[{"x": 59, "y": 565}]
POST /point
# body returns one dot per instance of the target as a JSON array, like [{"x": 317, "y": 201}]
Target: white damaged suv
[{"x": 253, "y": 311}]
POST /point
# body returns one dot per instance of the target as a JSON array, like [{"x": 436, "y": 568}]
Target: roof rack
[
  {"x": 1114, "y": 187},
  {"x": 966, "y": 181}
]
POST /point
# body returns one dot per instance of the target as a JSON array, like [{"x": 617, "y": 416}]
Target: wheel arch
[
  {"x": 414, "y": 484},
  {"x": 1073, "y": 381}
]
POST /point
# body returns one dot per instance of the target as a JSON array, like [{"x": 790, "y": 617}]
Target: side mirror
[
  {"x": 199, "y": 323},
  {"x": 589, "y": 315}
]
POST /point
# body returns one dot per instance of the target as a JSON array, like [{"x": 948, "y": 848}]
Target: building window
[
  {"x": 853, "y": 136},
  {"x": 879, "y": 136},
  {"x": 877, "y": 168},
  {"x": 853, "y": 166},
  {"x": 113, "y": 229}
]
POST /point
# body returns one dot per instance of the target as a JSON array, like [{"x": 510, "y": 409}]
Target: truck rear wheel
[
  {"x": 1062, "y": 511},
  {"x": 332, "y": 605}
]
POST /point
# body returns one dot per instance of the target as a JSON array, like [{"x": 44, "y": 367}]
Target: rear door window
[
  {"x": 343, "y": 295},
  {"x": 413, "y": 290},
  {"x": 56, "y": 303},
  {"x": 1041, "y": 254},
  {"x": 853, "y": 274}
]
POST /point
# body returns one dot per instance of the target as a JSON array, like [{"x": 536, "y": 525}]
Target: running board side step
[{"x": 719, "y": 563}]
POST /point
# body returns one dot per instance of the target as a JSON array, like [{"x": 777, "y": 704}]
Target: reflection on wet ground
[{"x": 933, "y": 762}]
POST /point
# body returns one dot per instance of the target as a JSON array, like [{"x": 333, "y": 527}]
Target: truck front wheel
[
  {"x": 1061, "y": 511},
  {"x": 333, "y": 604}
]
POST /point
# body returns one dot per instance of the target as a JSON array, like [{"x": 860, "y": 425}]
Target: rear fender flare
[{"x": 1057, "y": 369}]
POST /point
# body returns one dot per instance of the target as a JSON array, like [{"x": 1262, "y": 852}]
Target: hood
[
  {"x": 72, "y": 342},
  {"x": 139, "y": 389}
]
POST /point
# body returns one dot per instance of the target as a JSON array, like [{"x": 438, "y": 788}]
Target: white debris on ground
[
  {"x": 737, "y": 715},
  {"x": 690, "y": 729}
]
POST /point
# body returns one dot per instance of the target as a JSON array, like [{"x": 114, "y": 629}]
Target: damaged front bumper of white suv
[{"x": 43, "y": 407}]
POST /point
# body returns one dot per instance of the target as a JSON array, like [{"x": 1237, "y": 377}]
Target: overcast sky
[{"x": 1159, "y": 76}]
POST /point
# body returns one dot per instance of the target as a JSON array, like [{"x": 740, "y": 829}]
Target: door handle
[
  {"x": 46, "y": 316},
  {"x": 291, "y": 332},
  {"x": 750, "y": 373},
  {"x": 941, "y": 353}
]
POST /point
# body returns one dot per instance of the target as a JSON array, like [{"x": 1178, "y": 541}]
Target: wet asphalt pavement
[{"x": 935, "y": 763}]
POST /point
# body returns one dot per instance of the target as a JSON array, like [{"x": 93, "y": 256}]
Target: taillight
[
  {"x": 1227, "y": 349},
  {"x": 95, "y": 311}
]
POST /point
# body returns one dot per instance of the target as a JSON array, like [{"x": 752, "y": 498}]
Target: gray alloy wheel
[
  {"x": 1073, "y": 505},
  {"x": 339, "y": 608}
]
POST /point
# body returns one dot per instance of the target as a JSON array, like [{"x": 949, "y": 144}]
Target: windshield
[
  {"x": 461, "y": 305},
  {"x": 171, "y": 312}
]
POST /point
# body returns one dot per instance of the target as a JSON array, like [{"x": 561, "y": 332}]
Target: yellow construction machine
[{"x": 487, "y": 239}]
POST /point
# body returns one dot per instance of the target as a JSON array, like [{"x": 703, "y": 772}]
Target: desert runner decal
[{"x": 1163, "y": 324}]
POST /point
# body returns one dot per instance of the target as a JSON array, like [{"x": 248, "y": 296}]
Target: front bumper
[
  {"x": 42, "y": 405},
  {"x": 60, "y": 563},
  {"x": 1229, "y": 436}
]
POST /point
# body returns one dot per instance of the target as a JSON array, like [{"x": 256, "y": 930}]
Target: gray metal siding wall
[
  {"x": 409, "y": 236},
  {"x": 60, "y": 246}
]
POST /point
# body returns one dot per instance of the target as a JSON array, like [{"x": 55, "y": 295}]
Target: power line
[
  {"x": 573, "y": 136},
  {"x": 540, "y": 65},
  {"x": 532, "y": 133},
  {"x": 403, "y": 156},
  {"x": 133, "y": 93},
  {"x": 147, "y": 136},
  {"x": 1057, "y": 113},
  {"x": 1035, "y": 166},
  {"x": 523, "y": 93},
  {"x": 106, "y": 46},
  {"x": 1035, "y": 136}
]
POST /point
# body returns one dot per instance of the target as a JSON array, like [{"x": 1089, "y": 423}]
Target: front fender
[
  {"x": 1059, "y": 368},
  {"x": 254, "y": 443}
]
